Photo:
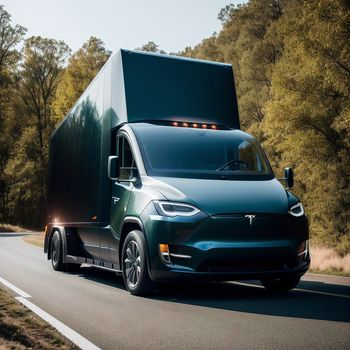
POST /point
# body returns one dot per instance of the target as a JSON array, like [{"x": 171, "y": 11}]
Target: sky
[{"x": 171, "y": 24}]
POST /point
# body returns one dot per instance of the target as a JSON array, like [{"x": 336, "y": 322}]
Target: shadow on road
[
  {"x": 234, "y": 297},
  {"x": 101, "y": 276}
]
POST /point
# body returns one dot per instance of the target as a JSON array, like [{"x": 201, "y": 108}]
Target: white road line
[
  {"x": 299, "y": 290},
  {"x": 323, "y": 293},
  {"x": 69, "y": 333},
  {"x": 14, "y": 288},
  {"x": 246, "y": 284}
]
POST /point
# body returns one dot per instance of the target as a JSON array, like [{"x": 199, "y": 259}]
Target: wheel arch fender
[
  {"x": 131, "y": 223},
  {"x": 62, "y": 233}
]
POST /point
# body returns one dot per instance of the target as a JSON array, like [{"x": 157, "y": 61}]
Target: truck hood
[{"x": 225, "y": 196}]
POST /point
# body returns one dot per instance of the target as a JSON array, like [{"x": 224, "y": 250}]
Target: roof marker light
[{"x": 194, "y": 125}]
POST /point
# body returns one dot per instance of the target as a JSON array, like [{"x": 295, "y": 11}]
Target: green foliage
[
  {"x": 151, "y": 46},
  {"x": 307, "y": 123},
  {"x": 82, "y": 67},
  {"x": 26, "y": 169},
  {"x": 26, "y": 181},
  {"x": 10, "y": 36},
  {"x": 40, "y": 72},
  {"x": 43, "y": 91}
]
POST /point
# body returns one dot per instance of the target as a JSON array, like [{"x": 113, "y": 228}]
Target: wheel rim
[
  {"x": 55, "y": 249},
  {"x": 132, "y": 264}
]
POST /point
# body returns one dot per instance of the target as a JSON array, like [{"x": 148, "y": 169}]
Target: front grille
[{"x": 244, "y": 265}]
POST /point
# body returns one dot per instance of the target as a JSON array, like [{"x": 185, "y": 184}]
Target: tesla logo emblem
[
  {"x": 115, "y": 200},
  {"x": 251, "y": 218}
]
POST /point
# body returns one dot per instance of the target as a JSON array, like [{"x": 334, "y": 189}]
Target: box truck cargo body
[{"x": 151, "y": 177}]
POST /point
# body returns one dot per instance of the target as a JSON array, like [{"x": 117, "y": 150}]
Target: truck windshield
[{"x": 197, "y": 153}]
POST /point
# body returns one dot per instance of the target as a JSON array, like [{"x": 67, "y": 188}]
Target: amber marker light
[
  {"x": 213, "y": 127},
  {"x": 164, "y": 253},
  {"x": 195, "y": 125},
  {"x": 204, "y": 126},
  {"x": 163, "y": 248}
]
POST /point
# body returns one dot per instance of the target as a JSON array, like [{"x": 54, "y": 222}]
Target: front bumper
[{"x": 225, "y": 247}]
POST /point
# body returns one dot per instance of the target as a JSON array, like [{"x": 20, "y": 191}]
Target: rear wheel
[
  {"x": 134, "y": 263},
  {"x": 56, "y": 252},
  {"x": 280, "y": 284}
]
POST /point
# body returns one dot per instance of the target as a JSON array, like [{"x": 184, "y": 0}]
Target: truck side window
[{"x": 126, "y": 159}]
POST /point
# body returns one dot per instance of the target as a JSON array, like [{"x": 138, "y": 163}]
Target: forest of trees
[{"x": 291, "y": 60}]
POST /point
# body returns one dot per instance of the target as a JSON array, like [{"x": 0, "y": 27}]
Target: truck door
[{"x": 121, "y": 193}]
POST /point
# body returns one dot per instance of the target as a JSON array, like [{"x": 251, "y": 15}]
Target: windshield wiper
[{"x": 232, "y": 161}]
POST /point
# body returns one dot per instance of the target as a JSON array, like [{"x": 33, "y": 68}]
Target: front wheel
[
  {"x": 134, "y": 263},
  {"x": 280, "y": 284}
]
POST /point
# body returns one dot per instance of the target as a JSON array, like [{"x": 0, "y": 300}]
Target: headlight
[
  {"x": 173, "y": 209},
  {"x": 296, "y": 210}
]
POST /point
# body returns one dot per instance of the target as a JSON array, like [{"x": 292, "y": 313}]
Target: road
[{"x": 220, "y": 315}]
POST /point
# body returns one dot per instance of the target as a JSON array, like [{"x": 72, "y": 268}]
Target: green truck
[{"x": 151, "y": 177}]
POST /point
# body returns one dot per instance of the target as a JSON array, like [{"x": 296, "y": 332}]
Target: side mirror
[
  {"x": 289, "y": 177},
  {"x": 113, "y": 168}
]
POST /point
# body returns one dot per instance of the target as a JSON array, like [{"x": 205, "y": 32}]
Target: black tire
[
  {"x": 280, "y": 284},
  {"x": 56, "y": 253},
  {"x": 134, "y": 265}
]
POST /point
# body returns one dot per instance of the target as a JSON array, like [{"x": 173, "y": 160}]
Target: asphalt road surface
[{"x": 224, "y": 315}]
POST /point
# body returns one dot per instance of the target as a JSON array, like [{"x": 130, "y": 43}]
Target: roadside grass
[
  {"x": 12, "y": 228},
  {"x": 328, "y": 261},
  {"x": 35, "y": 239},
  {"x": 22, "y": 329},
  {"x": 331, "y": 272}
]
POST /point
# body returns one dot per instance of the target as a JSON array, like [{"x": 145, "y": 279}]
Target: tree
[
  {"x": 10, "y": 37},
  {"x": 26, "y": 170},
  {"x": 151, "y": 46},
  {"x": 82, "y": 67},
  {"x": 208, "y": 49},
  {"x": 307, "y": 122},
  {"x": 43, "y": 61}
]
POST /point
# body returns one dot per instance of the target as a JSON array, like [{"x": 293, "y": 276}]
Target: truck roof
[{"x": 140, "y": 86}]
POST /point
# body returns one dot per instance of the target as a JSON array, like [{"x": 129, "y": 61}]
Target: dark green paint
[{"x": 173, "y": 88}]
